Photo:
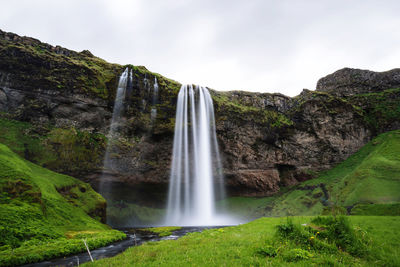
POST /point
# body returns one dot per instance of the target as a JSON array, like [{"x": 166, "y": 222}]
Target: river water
[{"x": 135, "y": 237}]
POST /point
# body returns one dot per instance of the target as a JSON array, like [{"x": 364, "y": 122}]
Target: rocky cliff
[
  {"x": 266, "y": 140},
  {"x": 347, "y": 82}
]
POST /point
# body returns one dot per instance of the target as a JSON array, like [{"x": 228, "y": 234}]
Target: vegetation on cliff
[
  {"x": 235, "y": 110},
  {"x": 367, "y": 181},
  {"x": 56, "y": 68},
  {"x": 381, "y": 109},
  {"x": 28, "y": 64},
  {"x": 65, "y": 150},
  {"x": 44, "y": 214}
]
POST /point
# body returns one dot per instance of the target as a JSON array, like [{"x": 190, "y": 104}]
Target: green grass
[
  {"x": 259, "y": 244},
  {"x": 162, "y": 231},
  {"x": 369, "y": 177},
  {"x": 376, "y": 209},
  {"x": 372, "y": 175},
  {"x": 39, "y": 209}
]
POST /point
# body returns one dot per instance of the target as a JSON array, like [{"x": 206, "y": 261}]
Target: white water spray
[
  {"x": 154, "y": 100},
  {"x": 119, "y": 100},
  {"x": 196, "y": 177},
  {"x": 117, "y": 111},
  {"x": 146, "y": 83}
]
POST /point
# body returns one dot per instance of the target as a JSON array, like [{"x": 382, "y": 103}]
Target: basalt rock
[{"x": 266, "y": 140}]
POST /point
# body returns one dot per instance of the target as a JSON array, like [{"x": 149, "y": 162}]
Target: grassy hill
[
  {"x": 44, "y": 214},
  {"x": 367, "y": 183}
]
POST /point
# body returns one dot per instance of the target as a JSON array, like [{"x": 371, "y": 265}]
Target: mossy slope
[
  {"x": 366, "y": 180},
  {"x": 40, "y": 209}
]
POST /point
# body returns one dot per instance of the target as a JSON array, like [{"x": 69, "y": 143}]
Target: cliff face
[
  {"x": 266, "y": 140},
  {"x": 316, "y": 132}
]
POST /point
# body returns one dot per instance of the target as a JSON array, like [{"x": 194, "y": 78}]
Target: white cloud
[{"x": 270, "y": 46}]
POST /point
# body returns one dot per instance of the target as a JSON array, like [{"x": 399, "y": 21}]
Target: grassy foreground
[
  {"x": 44, "y": 214},
  {"x": 368, "y": 241}
]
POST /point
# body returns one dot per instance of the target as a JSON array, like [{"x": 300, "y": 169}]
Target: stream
[{"x": 134, "y": 238}]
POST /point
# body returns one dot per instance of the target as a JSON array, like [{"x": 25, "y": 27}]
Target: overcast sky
[{"x": 265, "y": 46}]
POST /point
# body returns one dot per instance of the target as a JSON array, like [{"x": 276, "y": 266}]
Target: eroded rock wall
[{"x": 266, "y": 140}]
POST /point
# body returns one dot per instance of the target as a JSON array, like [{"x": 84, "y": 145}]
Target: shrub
[
  {"x": 296, "y": 254},
  {"x": 294, "y": 232},
  {"x": 303, "y": 236},
  {"x": 267, "y": 251},
  {"x": 339, "y": 231}
]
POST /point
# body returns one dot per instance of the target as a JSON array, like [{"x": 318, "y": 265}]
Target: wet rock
[
  {"x": 3, "y": 100},
  {"x": 253, "y": 182}
]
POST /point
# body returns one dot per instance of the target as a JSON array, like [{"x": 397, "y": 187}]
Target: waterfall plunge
[{"x": 196, "y": 180}]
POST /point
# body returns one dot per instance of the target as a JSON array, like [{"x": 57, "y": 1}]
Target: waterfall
[
  {"x": 196, "y": 177},
  {"x": 146, "y": 83},
  {"x": 129, "y": 86},
  {"x": 115, "y": 121},
  {"x": 118, "y": 103},
  {"x": 154, "y": 100}
]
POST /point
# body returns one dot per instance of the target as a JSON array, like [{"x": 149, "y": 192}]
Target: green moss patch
[
  {"x": 380, "y": 109},
  {"x": 237, "y": 111},
  {"x": 162, "y": 231},
  {"x": 63, "y": 150}
]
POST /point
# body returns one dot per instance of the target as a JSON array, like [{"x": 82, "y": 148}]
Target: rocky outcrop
[
  {"x": 347, "y": 82},
  {"x": 266, "y": 140},
  {"x": 252, "y": 182}
]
